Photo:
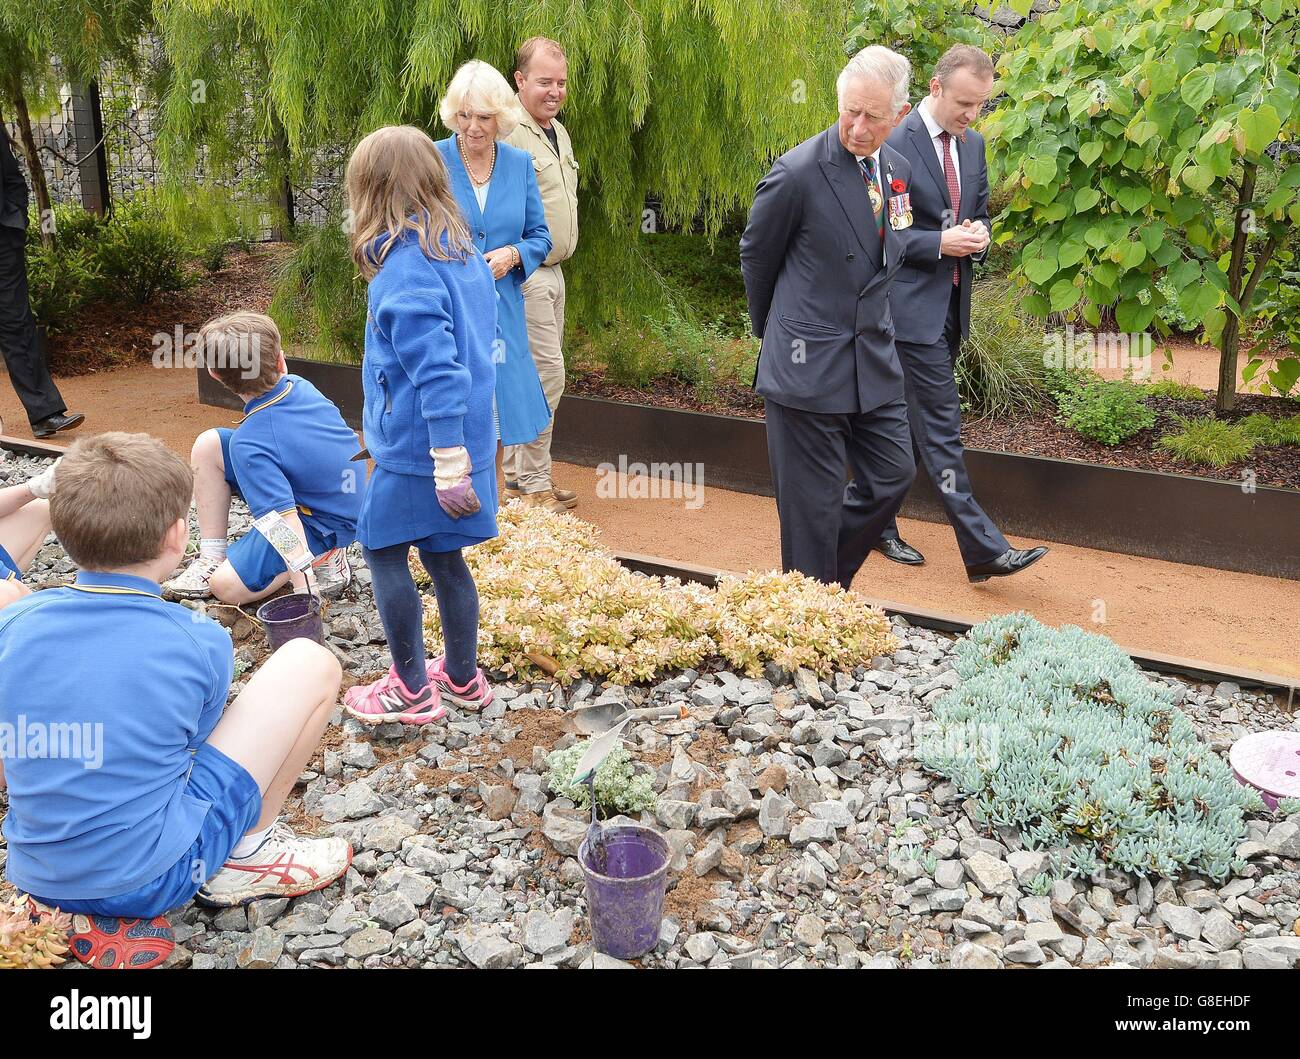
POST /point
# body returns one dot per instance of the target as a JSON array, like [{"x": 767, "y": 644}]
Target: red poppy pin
[{"x": 897, "y": 186}]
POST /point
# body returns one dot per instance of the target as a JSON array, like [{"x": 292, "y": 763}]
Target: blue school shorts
[{"x": 235, "y": 802}]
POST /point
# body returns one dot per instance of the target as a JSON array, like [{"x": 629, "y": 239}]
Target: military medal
[
  {"x": 900, "y": 205},
  {"x": 874, "y": 193}
]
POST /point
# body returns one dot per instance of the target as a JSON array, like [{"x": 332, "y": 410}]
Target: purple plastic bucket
[
  {"x": 288, "y": 617},
  {"x": 626, "y": 904}
]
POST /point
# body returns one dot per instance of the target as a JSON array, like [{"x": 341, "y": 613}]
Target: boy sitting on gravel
[
  {"x": 291, "y": 453},
  {"x": 24, "y": 522},
  {"x": 147, "y": 789}
]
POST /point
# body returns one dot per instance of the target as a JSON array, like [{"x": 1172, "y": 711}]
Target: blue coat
[
  {"x": 513, "y": 216},
  {"x": 427, "y": 373}
]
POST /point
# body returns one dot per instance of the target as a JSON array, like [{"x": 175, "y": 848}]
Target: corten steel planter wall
[{"x": 1160, "y": 516}]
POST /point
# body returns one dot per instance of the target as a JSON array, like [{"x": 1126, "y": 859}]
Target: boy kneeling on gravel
[
  {"x": 146, "y": 789},
  {"x": 291, "y": 453}
]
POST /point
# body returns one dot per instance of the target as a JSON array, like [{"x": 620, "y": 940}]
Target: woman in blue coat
[{"x": 497, "y": 192}]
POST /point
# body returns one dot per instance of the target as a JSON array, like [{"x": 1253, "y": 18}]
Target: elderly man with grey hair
[{"x": 824, "y": 240}]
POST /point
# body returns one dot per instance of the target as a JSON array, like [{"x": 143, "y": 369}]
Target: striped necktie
[
  {"x": 954, "y": 192},
  {"x": 868, "y": 165}
]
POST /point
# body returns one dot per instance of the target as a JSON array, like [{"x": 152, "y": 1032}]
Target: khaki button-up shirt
[{"x": 557, "y": 180}]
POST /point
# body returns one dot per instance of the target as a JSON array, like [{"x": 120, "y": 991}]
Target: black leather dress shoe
[
  {"x": 53, "y": 424},
  {"x": 1011, "y": 561},
  {"x": 900, "y": 551}
]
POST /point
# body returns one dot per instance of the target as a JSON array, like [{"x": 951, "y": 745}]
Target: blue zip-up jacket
[{"x": 428, "y": 374}]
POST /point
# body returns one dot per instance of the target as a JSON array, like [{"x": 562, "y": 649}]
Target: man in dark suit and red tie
[
  {"x": 823, "y": 241},
  {"x": 931, "y": 297}
]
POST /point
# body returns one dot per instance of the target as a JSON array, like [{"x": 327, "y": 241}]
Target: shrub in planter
[
  {"x": 320, "y": 297},
  {"x": 1176, "y": 391},
  {"x": 1208, "y": 440},
  {"x": 620, "y": 788},
  {"x": 60, "y": 279},
  {"x": 1003, "y": 367},
  {"x": 1057, "y": 733},
  {"x": 138, "y": 256},
  {"x": 1265, "y": 430},
  {"x": 551, "y": 600},
  {"x": 1107, "y": 411}
]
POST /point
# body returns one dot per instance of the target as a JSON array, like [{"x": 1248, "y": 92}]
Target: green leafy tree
[
  {"x": 688, "y": 99},
  {"x": 920, "y": 29},
  {"x": 1138, "y": 140}
]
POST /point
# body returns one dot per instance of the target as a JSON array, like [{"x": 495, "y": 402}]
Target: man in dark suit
[
  {"x": 931, "y": 298},
  {"x": 822, "y": 244},
  {"x": 18, "y": 337}
]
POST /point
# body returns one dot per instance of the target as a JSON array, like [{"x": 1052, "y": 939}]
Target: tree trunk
[
  {"x": 39, "y": 188},
  {"x": 1229, "y": 341}
]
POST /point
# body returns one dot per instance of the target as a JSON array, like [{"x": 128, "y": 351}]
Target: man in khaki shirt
[{"x": 541, "y": 76}]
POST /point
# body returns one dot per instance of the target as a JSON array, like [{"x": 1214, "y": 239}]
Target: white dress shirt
[{"x": 934, "y": 129}]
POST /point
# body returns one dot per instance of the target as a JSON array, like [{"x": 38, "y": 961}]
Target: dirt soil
[{"x": 1224, "y": 618}]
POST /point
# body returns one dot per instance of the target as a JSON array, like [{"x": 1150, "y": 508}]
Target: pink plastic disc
[{"x": 1269, "y": 761}]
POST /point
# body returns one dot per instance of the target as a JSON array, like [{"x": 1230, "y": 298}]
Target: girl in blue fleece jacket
[{"x": 428, "y": 377}]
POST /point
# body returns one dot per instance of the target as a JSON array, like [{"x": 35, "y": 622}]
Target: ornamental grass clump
[
  {"x": 1080, "y": 752},
  {"x": 620, "y": 788},
  {"x": 551, "y": 601}
]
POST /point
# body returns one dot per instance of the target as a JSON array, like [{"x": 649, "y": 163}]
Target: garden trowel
[{"x": 601, "y": 716}]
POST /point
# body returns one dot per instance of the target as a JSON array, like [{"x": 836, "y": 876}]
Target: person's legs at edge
[
  {"x": 457, "y": 595},
  {"x": 23, "y": 532},
  {"x": 400, "y": 611}
]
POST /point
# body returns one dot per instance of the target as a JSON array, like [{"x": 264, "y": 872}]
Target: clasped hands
[{"x": 961, "y": 240}]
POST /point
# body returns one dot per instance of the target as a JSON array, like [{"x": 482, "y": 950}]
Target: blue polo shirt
[
  {"x": 292, "y": 449},
  {"x": 105, "y": 692}
]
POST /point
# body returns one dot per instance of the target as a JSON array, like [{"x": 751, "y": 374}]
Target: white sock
[
  {"x": 213, "y": 547},
  {"x": 247, "y": 845}
]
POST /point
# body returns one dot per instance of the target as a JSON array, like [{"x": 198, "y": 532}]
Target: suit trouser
[
  {"x": 23, "y": 354},
  {"x": 827, "y": 527},
  {"x": 934, "y": 412},
  {"x": 530, "y": 465}
]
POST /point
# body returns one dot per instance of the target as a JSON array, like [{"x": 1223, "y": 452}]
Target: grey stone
[
  {"x": 359, "y": 800},
  {"x": 1183, "y": 921},
  {"x": 544, "y": 934},
  {"x": 987, "y": 872},
  {"x": 387, "y": 833},
  {"x": 1219, "y": 930},
  {"x": 701, "y": 947},
  {"x": 392, "y": 910},
  {"x": 968, "y": 956},
  {"x": 675, "y": 815},
  {"x": 372, "y": 941},
  {"x": 774, "y": 815},
  {"x": 812, "y": 829},
  {"x": 948, "y": 874},
  {"x": 565, "y": 829},
  {"x": 1284, "y": 840},
  {"x": 265, "y": 946},
  {"x": 1026, "y": 951},
  {"x": 488, "y": 950},
  {"x": 809, "y": 930},
  {"x": 834, "y": 812}
]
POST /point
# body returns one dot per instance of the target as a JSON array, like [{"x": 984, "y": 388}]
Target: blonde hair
[
  {"x": 480, "y": 86},
  {"x": 118, "y": 496},
  {"x": 243, "y": 351},
  {"x": 397, "y": 181}
]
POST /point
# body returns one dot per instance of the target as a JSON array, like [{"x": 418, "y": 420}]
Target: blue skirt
[{"x": 404, "y": 509}]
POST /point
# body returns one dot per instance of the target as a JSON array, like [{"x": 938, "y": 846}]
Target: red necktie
[{"x": 954, "y": 193}]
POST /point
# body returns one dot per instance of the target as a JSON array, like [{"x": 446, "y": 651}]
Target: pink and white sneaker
[
  {"x": 473, "y": 696},
  {"x": 389, "y": 699}
]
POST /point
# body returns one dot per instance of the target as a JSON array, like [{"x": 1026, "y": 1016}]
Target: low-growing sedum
[
  {"x": 547, "y": 590},
  {"x": 619, "y": 787},
  {"x": 32, "y": 942},
  {"x": 1073, "y": 746}
]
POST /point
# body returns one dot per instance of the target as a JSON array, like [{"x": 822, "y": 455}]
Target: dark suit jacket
[
  {"x": 920, "y": 292},
  {"x": 816, "y": 284},
  {"x": 13, "y": 188}
]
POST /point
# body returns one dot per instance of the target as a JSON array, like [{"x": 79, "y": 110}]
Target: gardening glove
[
  {"x": 42, "y": 486},
  {"x": 451, "y": 469}
]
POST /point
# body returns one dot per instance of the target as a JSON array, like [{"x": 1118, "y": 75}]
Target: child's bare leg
[
  {"x": 275, "y": 724},
  {"x": 227, "y": 587},
  {"x": 211, "y": 490},
  {"x": 22, "y": 533}
]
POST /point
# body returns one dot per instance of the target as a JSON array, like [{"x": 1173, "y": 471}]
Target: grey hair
[{"x": 878, "y": 63}]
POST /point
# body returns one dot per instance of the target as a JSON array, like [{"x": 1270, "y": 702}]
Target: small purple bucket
[
  {"x": 626, "y": 903},
  {"x": 289, "y": 617},
  {"x": 1269, "y": 762}
]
